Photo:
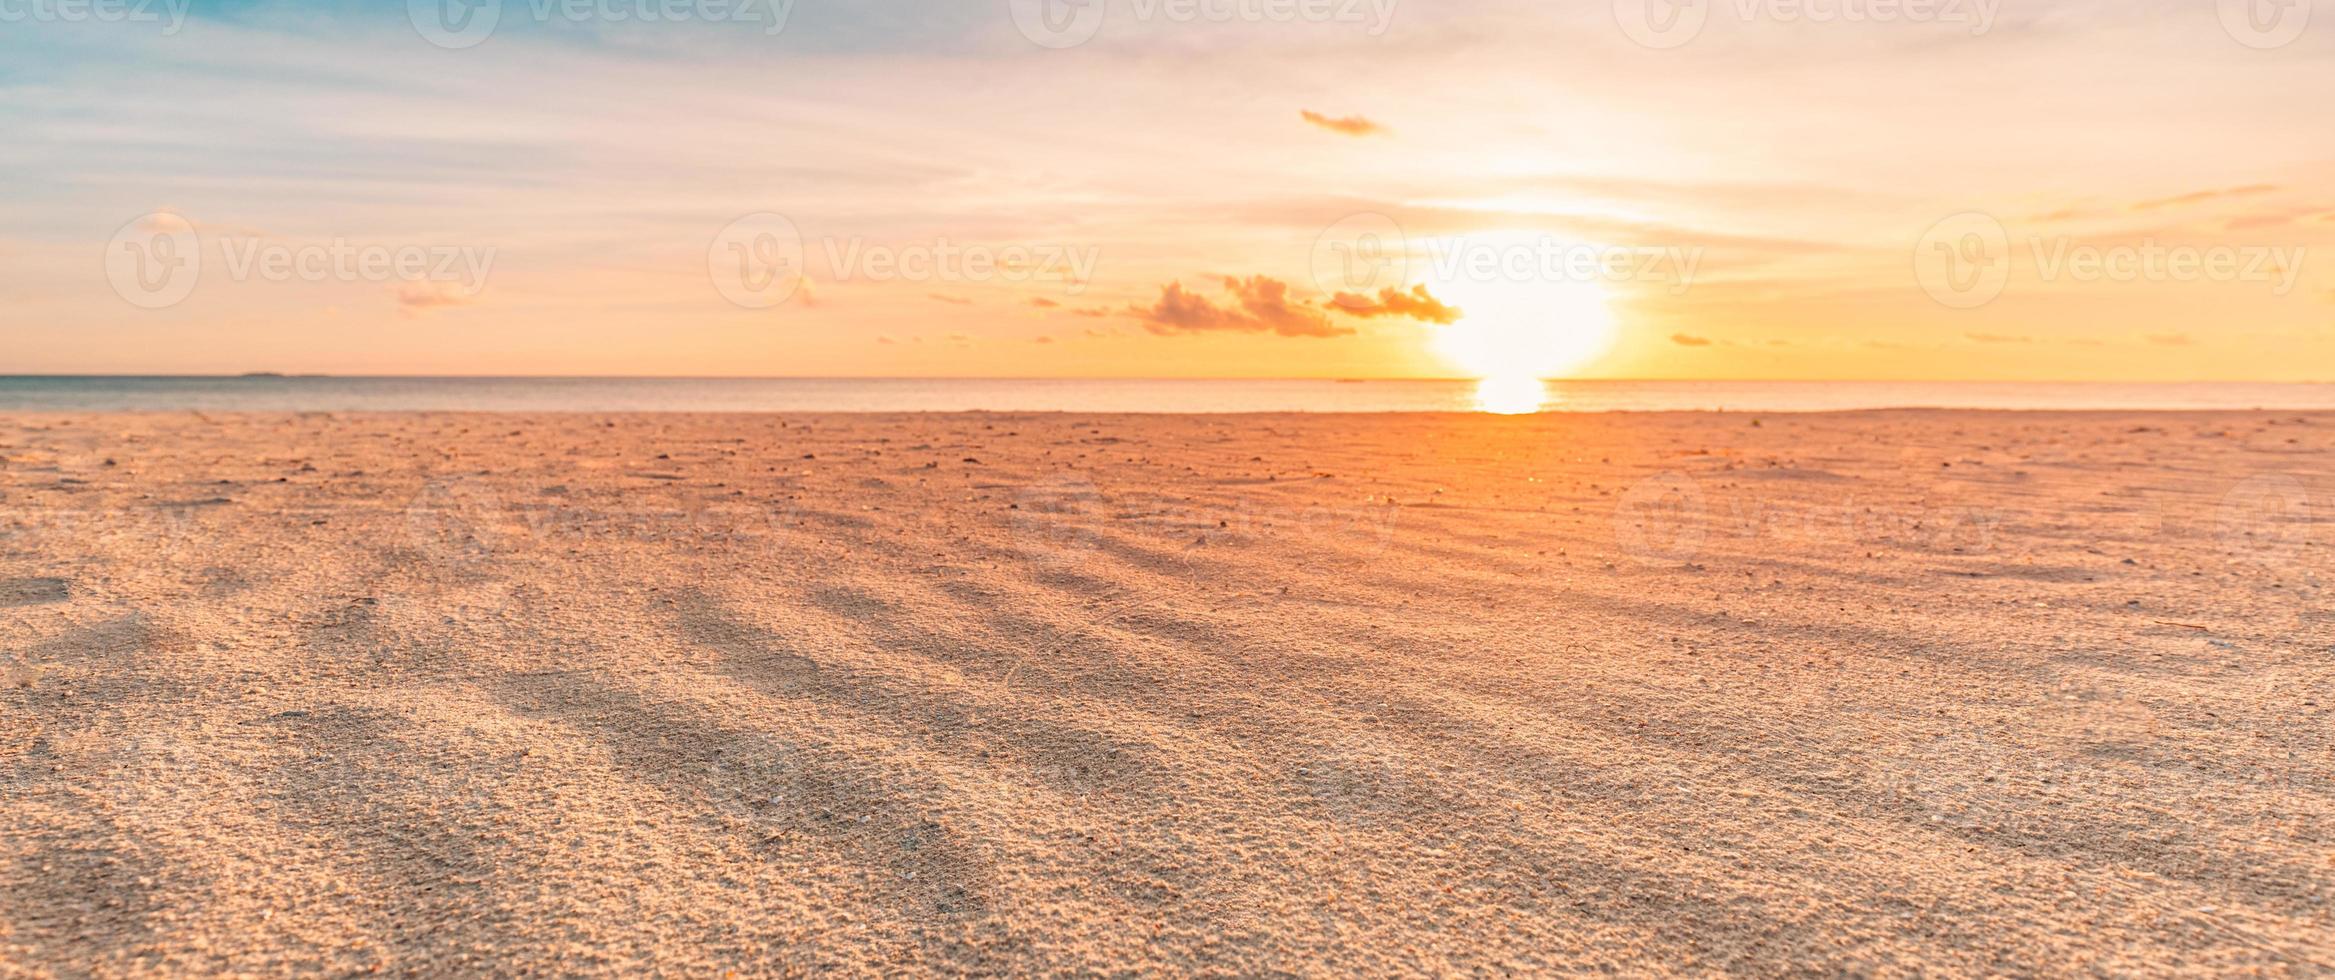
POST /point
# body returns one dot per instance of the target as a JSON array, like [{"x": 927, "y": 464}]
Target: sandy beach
[{"x": 1884, "y": 693}]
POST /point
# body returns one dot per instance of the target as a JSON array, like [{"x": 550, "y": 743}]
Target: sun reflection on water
[{"x": 1511, "y": 396}]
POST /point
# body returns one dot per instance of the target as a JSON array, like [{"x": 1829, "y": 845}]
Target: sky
[{"x": 1795, "y": 189}]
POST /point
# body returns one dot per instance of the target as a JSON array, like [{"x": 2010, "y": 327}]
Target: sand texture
[{"x": 1875, "y": 693}]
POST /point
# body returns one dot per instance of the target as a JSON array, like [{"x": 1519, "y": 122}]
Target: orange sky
[{"x": 2127, "y": 191}]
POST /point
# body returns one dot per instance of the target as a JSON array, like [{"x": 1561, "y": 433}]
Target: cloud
[
  {"x": 2195, "y": 197},
  {"x": 1689, "y": 340},
  {"x": 2169, "y": 339},
  {"x": 1043, "y": 303},
  {"x": 1348, "y": 126},
  {"x": 417, "y": 298},
  {"x": 886, "y": 340},
  {"x": 1999, "y": 338},
  {"x": 1043, "y": 340},
  {"x": 951, "y": 300},
  {"x": 1259, "y": 304},
  {"x": 1416, "y": 305},
  {"x": 1094, "y": 311},
  {"x": 2268, "y": 219}
]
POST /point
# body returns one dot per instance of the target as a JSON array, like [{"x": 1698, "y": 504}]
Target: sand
[{"x": 1885, "y": 692}]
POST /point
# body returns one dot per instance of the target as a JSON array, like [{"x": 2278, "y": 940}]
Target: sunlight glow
[
  {"x": 1511, "y": 395},
  {"x": 1512, "y": 328}
]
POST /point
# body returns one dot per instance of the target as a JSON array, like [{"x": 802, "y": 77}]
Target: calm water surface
[{"x": 280, "y": 394}]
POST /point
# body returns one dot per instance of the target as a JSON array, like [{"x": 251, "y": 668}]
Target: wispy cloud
[
  {"x": 2199, "y": 197},
  {"x": 1345, "y": 126},
  {"x": 417, "y": 298}
]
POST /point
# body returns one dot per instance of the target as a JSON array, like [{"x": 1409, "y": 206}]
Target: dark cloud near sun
[
  {"x": 1689, "y": 340},
  {"x": 1416, "y": 305},
  {"x": 1257, "y": 304}
]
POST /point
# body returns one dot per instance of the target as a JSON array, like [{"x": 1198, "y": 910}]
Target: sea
[{"x": 273, "y": 393}]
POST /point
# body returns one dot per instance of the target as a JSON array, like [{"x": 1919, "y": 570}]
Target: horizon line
[{"x": 303, "y": 375}]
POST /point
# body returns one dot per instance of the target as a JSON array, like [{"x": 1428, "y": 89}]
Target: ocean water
[{"x": 341, "y": 394}]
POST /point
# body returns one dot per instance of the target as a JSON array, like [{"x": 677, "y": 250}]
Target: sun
[{"x": 1521, "y": 327}]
